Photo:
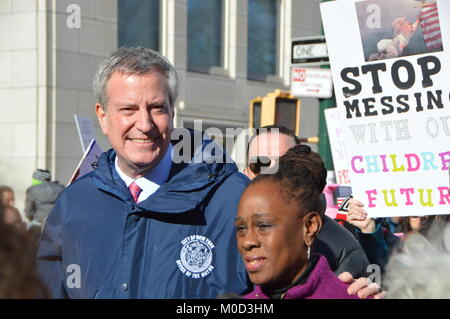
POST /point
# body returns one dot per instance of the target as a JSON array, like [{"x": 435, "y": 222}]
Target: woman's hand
[
  {"x": 362, "y": 287},
  {"x": 357, "y": 216}
]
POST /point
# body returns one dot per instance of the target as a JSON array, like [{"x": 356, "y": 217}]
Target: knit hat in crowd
[{"x": 41, "y": 175}]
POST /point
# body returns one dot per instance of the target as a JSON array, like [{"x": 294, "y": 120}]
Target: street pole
[{"x": 324, "y": 142}]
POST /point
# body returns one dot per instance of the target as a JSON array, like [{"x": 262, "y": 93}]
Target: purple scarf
[{"x": 322, "y": 283}]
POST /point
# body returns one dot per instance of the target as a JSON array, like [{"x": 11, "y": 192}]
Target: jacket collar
[{"x": 187, "y": 187}]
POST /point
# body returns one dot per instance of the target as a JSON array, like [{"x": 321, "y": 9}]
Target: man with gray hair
[{"x": 143, "y": 224}]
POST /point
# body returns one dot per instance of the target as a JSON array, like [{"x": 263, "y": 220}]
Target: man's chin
[
  {"x": 143, "y": 164},
  {"x": 147, "y": 161}
]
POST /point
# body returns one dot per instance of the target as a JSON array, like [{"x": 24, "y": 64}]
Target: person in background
[
  {"x": 343, "y": 252},
  {"x": 11, "y": 215},
  {"x": 278, "y": 219},
  {"x": 421, "y": 224},
  {"x": 18, "y": 275},
  {"x": 7, "y": 196},
  {"x": 392, "y": 224},
  {"x": 41, "y": 197},
  {"x": 420, "y": 269},
  {"x": 376, "y": 237},
  {"x": 412, "y": 224}
]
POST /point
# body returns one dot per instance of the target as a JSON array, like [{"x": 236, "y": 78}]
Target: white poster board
[
  {"x": 337, "y": 142},
  {"x": 390, "y": 62},
  {"x": 311, "y": 82},
  {"x": 85, "y": 131}
]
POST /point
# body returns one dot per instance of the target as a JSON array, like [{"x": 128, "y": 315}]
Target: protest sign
[
  {"x": 88, "y": 162},
  {"x": 85, "y": 131},
  {"x": 390, "y": 62},
  {"x": 335, "y": 134}
]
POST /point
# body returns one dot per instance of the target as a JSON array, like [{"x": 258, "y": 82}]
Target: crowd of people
[
  {"x": 142, "y": 225},
  {"x": 39, "y": 201}
]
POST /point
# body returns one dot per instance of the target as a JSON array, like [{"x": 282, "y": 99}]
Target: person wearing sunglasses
[
  {"x": 342, "y": 251},
  {"x": 266, "y": 146}
]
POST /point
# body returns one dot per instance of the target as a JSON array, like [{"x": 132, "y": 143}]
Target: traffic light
[
  {"x": 276, "y": 107},
  {"x": 254, "y": 114}
]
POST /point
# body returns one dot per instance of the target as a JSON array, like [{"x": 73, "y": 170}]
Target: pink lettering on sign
[
  {"x": 371, "y": 198},
  {"x": 383, "y": 159},
  {"x": 445, "y": 157},
  {"x": 343, "y": 176},
  {"x": 444, "y": 193},
  {"x": 408, "y": 192},
  {"x": 359, "y": 171},
  {"x": 410, "y": 164}
]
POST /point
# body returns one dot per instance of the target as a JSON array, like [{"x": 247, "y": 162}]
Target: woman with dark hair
[
  {"x": 277, "y": 222},
  {"x": 18, "y": 274},
  {"x": 422, "y": 224}
]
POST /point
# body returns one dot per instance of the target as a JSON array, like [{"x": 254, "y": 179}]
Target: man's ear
[
  {"x": 312, "y": 223},
  {"x": 101, "y": 116}
]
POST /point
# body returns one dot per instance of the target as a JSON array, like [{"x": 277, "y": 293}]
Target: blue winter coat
[{"x": 178, "y": 243}]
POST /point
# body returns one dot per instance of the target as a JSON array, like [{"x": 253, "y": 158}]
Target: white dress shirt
[{"x": 154, "y": 179}]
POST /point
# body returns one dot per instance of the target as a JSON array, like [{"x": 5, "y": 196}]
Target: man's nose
[{"x": 144, "y": 121}]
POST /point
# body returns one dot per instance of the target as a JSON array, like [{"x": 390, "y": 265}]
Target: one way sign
[{"x": 310, "y": 51}]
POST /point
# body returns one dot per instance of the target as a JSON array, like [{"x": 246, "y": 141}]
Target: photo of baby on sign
[{"x": 391, "y": 29}]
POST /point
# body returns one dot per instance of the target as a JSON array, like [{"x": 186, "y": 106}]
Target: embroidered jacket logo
[{"x": 196, "y": 256}]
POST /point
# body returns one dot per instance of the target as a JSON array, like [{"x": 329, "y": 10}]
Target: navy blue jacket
[{"x": 178, "y": 243}]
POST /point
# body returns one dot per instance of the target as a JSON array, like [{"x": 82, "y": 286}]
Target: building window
[
  {"x": 205, "y": 34},
  {"x": 262, "y": 39},
  {"x": 139, "y": 23}
]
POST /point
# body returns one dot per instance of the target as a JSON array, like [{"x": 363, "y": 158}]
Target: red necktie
[{"x": 135, "y": 190}]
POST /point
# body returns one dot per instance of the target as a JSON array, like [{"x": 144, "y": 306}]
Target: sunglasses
[{"x": 256, "y": 163}]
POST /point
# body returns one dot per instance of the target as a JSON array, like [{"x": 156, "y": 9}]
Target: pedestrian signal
[
  {"x": 255, "y": 113},
  {"x": 276, "y": 108}
]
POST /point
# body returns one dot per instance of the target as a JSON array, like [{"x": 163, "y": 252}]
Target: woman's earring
[{"x": 309, "y": 252}]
